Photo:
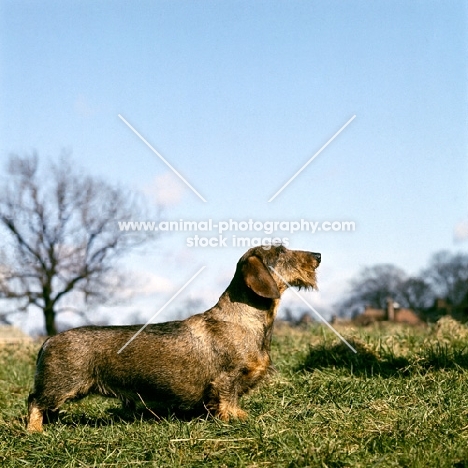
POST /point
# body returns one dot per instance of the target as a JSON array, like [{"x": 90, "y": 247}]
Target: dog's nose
[{"x": 317, "y": 256}]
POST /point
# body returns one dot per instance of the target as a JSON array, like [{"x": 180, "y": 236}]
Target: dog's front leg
[{"x": 224, "y": 398}]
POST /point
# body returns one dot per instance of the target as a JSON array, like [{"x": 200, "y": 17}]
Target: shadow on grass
[
  {"x": 443, "y": 356},
  {"x": 385, "y": 363},
  {"x": 120, "y": 415}
]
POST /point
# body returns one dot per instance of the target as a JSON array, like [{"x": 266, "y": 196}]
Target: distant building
[
  {"x": 305, "y": 319},
  {"x": 464, "y": 306},
  {"x": 392, "y": 313},
  {"x": 443, "y": 307}
]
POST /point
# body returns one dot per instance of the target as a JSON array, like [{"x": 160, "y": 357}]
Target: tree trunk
[
  {"x": 49, "y": 317},
  {"x": 49, "y": 312}
]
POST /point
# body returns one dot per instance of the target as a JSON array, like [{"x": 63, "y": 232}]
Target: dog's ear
[{"x": 258, "y": 278}]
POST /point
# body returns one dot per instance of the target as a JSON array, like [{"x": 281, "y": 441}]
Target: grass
[{"x": 401, "y": 401}]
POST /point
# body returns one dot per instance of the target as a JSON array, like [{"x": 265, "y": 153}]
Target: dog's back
[{"x": 86, "y": 360}]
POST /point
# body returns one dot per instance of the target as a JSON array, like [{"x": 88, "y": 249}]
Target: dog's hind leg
[{"x": 35, "y": 415}]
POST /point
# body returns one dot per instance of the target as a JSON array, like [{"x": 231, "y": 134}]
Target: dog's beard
[{"x": 306, "y": 284}]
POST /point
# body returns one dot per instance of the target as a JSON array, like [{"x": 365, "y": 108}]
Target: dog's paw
[
  {"x": 230, "y": 413},
  {"x": 35, "y": 420},
  {"x": 240, "y": 414}
]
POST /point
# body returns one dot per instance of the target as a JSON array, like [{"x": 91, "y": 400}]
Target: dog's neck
[
  {"x": 257, "y": 317},
  {"x": 240, "y": 304}
]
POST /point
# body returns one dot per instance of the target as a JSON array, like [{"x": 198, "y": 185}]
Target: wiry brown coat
[{"x": 208, "y": 360}]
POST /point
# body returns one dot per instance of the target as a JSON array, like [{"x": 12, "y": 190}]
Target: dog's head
[{"x": 270, "y": 270}]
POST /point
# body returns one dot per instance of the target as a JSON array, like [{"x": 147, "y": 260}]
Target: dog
[{"x": 206, "y": 362}]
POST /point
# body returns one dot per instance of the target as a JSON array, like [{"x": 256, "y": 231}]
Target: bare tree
[
  {"x": 61, "y": 238},
  {"x": 416, "y": 293},
  {"x": 448, "y": 275},
  {"x": 373, "y": 287},
  {"x": 446, "y": 278}
]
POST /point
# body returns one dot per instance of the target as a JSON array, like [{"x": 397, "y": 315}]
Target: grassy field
[{"x": 401, "y": 401}]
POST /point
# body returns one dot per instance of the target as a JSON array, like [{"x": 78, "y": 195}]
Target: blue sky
[{"x": 238, "y": 95}]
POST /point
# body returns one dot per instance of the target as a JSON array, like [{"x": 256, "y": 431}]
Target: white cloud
[
  {"x": 460, "y": 232},
  {"x": 166, "y": 190}
]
